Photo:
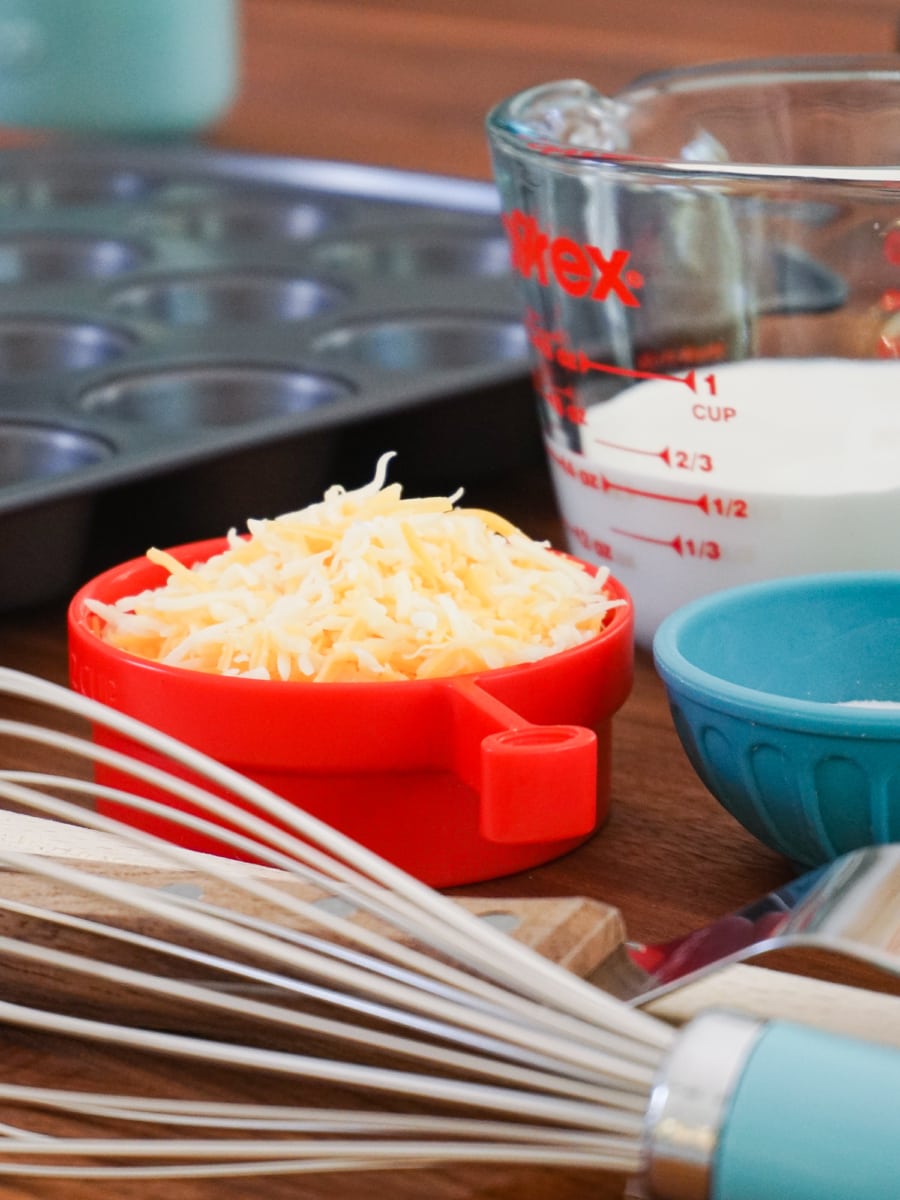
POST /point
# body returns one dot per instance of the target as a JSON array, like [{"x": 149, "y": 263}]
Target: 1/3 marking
[
  {"x": 683, "y": 547},
  {"x": 700, "y": 549}
]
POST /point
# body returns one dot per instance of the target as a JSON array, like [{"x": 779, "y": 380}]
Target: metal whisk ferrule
[{"x": 689, "y": 1103}]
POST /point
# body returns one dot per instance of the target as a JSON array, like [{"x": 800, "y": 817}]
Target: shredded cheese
[{"x": 363, "y": 585}]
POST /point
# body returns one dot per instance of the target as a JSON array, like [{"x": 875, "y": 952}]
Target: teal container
[
  {"x": 786, "y": 698},
  {"x": 127, "y": 68}
]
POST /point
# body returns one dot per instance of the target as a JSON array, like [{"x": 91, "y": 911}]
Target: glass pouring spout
[{"x": 568, "y": 112}]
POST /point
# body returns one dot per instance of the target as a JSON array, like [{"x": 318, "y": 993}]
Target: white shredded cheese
[{"x": 363, "y": 585}]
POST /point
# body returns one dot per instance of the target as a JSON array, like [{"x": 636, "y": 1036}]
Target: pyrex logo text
[{"x": 579, "y": 269}]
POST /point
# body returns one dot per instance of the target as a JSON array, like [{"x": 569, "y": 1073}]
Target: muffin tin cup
[{"x": 237, "y": 332}]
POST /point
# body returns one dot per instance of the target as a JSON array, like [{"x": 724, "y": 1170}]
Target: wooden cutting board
[{"x": 575, "y": 932}]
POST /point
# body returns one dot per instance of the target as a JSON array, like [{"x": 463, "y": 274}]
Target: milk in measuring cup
[{"x": 753, "y": 470}]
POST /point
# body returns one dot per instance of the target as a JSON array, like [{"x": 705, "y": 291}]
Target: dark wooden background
[
  {"x": 408, "y": 85},
  {"x": 407, "y": 82}
]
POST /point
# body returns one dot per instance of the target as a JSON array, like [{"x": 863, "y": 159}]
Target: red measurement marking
[
  {"x": 692, "y": 461},
  {"x": 554, "y": 346},
  {"x": 674, "y": 543},
  {"x": 701, "y": 502},
  {"x": 579, "y": 361},
  {"x": 664, "y": 454},
  {"x": 682, "y": 356},
  {"x": 891, "y": 247},
  {"x": 589, "y": 542},
  {"x": 735, "y": 507},
  {"x": 572, "y": 413},
  {"x": 704, "y": 549},
  {"x": 682, "y": 460},
  {"x": 684, "y": 547}
]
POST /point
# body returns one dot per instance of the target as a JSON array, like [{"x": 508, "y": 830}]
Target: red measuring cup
[{"x": 455, "y": 780}]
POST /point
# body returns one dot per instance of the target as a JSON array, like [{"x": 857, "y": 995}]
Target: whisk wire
[
  {"x": 554, "y": 1071},
  {"x": 449, "y": 1007},
  {"x": 335, "y": 853},
  {"x": 479, "y": 948},
  {"x": 547, "y": 1074}
]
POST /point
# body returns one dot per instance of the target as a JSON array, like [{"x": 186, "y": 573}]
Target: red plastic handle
[{"x": 537, "y": 783}]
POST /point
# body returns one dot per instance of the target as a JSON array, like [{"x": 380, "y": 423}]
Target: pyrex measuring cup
[{"x": 710, "y": 265}]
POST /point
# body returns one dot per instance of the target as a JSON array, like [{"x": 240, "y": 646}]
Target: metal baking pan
[{"x": 189, "y": 338}]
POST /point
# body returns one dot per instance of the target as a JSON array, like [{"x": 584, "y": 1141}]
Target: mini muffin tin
[{"x": 190, "y": 338}]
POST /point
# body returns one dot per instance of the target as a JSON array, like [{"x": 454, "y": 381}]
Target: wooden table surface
[{"x": 407, "y": 85}]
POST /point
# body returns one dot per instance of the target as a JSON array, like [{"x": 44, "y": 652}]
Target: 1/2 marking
[
  {"x": 733, "y": 506},
  {"x": 701, "y": 502}
]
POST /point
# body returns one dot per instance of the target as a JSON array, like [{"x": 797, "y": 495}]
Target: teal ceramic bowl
[{"x": 786, "y": 698}]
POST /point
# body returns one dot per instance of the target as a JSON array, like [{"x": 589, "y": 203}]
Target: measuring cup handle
[{"x": 536, "y": 783}]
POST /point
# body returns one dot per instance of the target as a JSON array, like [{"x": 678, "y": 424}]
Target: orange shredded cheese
[{"x": 363, "y": 585}]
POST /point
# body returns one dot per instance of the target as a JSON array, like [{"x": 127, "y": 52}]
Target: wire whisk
[
  {"x": 419, "y": 1001},
  {"x": 402, "y": 1030}
]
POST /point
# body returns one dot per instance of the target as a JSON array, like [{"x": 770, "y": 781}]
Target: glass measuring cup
[{"x": 710, "y": 270}]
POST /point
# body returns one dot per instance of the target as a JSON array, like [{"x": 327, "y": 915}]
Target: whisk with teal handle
[
  {"x": 461, "y": 1044},
  {"x": 750, "y": 1110}
]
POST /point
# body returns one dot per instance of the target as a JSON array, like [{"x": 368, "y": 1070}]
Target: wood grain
[
  {"x": 578, "y": 934},
  {"x": 408, "y": 85}
]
